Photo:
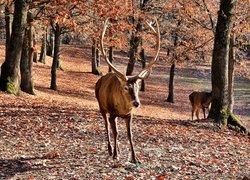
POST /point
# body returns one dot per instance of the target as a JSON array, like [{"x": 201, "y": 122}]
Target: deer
[
  {"x": 200, "y": 100},
  {"x": 117, "y": 95}
]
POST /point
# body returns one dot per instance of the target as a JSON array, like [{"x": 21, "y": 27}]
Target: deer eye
[{"x": 126, "y": 88}]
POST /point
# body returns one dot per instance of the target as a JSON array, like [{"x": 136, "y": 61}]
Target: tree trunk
[
  {"x": 94, "y": 63},
  {"x": 10, "y": 71},
  {"x": 27, "y": 59},
  {"x": 172, "y": 68},
  {"x": 51, "y": 43},
  {"x": 35, "y": 54},
  {"x": 95, "y": 59},
  {"x": 111, "y": 55},
  {"x": 219, "y": 105},
  {"x": 171, "y": 84},
  {"x": 231, "y": 73},
  {"x": 134, "y": 44},
  {"x": 42, "y": 57},
  {"x": 7, "y": 27},
  {"x": 59, "y": 65},
  {"x": 143, "y": 62},
  {"x": 220, "y": 76},
  {"x": 57, "y": 32},
  {"x": 97, "y": 56}
]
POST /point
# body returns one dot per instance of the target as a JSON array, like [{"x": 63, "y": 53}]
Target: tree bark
[
  {"x": 231, "y": 73},
  {"x": 220, "y": 57},
  {"x": 35, "y": 54},
  {"x": 51, "y": 43},
  {"x": 27, "y": 84},
  {"x": 10, "y": 70},
  {"x": 42, "y": 57},
  {"x": 143, "y": 62},
  {"x": 7, "y": 27},
  {"x": 98, "y": 57},
  {"x": 171, "y": 84},
  {"x": 95, "y": 59},
  {"x": 134, "y": 44},
  {"x": 170, "y": 97},
  {"x": 57, "y": 32},
  {"x": 220, "y": 76},
  {"x": 110, "y": 56}
]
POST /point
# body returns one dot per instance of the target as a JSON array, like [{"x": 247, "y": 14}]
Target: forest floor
[{"x": 61, "y": 135}]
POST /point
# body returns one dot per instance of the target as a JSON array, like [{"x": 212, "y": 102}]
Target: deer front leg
[
  {"x": 107, "y": 131},
  {"x": 112, "y": 121},
  {"x": 192, "y": 113},
  {"x": 130, "y": 138}
]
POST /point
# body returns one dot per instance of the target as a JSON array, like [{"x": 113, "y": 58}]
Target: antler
[
  {"x": 144, "y": 74},
  {"x": 146, "y": 71},
  {"x": 122, "y": 76}
]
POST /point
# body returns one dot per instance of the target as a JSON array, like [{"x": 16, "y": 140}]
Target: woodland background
[{"x": 59, "y": 133}]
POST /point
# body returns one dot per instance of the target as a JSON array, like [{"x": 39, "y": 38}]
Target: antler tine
[
  {"x": 158, "y": 44},
  {"x": 151, "y": 27},
  {"x": 122, "y": 76},
  {"x": 144, "y": 74}
]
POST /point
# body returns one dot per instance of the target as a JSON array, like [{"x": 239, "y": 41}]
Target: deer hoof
[{"x": 116, "y": 157}]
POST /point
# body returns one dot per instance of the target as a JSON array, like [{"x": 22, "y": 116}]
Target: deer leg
[
  {"x": 204, "y": 112},
  {"x": 192, "y": 113},
  {"x": 112, "y": 121},
  {"x": 197, "y": 113},
  {"x": 107, "y": 131},
  {"x": 130, "y": 138}
]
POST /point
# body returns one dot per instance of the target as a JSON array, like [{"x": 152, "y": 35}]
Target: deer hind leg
[
  {"x": 107, "y": 131},
  {"x": 197, "y": 113},
  {"x": 130, "y": 138},
  {"x": 112, "y": 121},
  {"x": 204, "y": 112}
]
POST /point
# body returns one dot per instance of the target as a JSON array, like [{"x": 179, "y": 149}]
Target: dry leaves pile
[{"x": 60, "y": 135}]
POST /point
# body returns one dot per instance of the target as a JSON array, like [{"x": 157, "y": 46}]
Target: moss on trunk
[
  {"x": 10, "y": 88},
  {"x": 235, "y": 123},
  {"x": 231, "y": 121},
  {"x": 223, "y": 116}
]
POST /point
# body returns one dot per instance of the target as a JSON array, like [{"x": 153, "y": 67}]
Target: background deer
[
  {"x": 117, "y": 95},
  {"x": 200, "y": 100}
]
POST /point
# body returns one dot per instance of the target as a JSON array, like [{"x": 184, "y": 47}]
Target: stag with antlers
[{"x": 117, "y": 94}]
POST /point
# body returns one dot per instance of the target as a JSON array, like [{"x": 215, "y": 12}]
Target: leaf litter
[{"x": 61, "y": 135}]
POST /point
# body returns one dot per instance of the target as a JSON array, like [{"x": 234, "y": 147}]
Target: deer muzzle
[{"x": 136, "y": 103}]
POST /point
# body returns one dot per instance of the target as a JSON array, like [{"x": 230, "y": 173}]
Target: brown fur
[
  {"x": 117, "y": 98},
  {"x": 200, "y": 100}
]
